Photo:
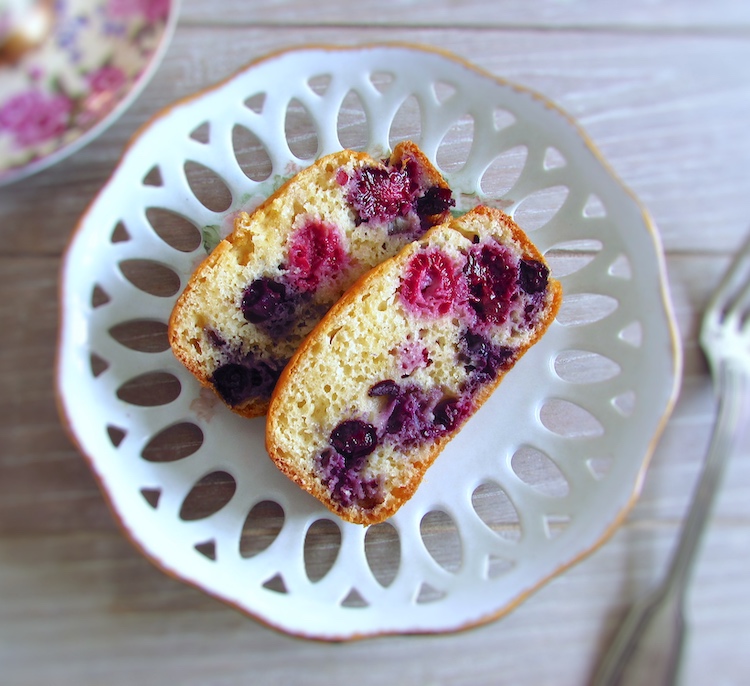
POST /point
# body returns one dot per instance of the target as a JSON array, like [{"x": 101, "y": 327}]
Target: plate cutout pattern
[{"x": 204, "y": 473}]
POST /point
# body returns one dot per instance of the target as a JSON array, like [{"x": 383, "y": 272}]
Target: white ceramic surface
[
  {"x": 590, "y": 398},
  {"x": 58, "y": 96}
]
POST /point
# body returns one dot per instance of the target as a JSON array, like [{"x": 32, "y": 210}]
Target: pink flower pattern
[
  {"x": 67, "y": 92},
  {"x": 152, "y": 10},
  {"x": 106, "y": 79},
  {"x": 33, "y": 117}
]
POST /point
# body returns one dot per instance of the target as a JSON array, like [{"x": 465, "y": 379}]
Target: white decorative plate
[
  {"x": 538, "y": 477},
  {"x": 60, "y": 95}
]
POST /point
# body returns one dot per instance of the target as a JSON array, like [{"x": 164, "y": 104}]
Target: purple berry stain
[
  {"x": 482, "y": 359},
  {"x": 252, "y": 378},
  {"x": 354, "y": 439},
  {"x": 448, "y": 414},
  {"x": 491, "y": 275},
  {"x": 532, "y": 276},
  {"x": 341, "y": 465},
  {"x": 434, "y": 202},
  {"x": 261, "y": 299}
]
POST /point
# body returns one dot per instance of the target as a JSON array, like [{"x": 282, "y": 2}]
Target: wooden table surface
[{"x": 663, "y": 89}]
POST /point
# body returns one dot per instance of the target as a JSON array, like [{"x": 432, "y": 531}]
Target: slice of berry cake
[
  {"x": 254, "y": 298},
  {"x": 401, "y": 362}
]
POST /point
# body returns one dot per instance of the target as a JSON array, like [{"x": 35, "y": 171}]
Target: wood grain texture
[
  {"x": 667, "y": 112},
  {"x": 725, "y": 15},
  {"x": 663, "y": 91}
]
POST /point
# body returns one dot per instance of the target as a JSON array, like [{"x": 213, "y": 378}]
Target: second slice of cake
[{"x": 401, "y": 362}]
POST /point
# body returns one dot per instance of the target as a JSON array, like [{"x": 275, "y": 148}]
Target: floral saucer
[{"x": 57, "y": 97}]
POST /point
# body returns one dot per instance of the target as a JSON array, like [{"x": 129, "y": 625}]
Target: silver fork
[{"x": 648, "y": 646}]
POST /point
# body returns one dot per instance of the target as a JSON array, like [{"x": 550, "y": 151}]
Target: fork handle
[
  {"x": 732, "y": 385},
  {"x": 648, "y": 647}
]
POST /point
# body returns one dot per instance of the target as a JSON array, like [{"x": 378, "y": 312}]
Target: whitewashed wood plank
[
  {"x": 727, "y": 15},
  {"x": 668, "y": 112},
  {"x": 117, "y": 619}
]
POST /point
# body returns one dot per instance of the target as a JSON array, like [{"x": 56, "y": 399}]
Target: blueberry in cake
[
  {"x": 400, "y": 363},
  {"x": 251, "y": 302}
]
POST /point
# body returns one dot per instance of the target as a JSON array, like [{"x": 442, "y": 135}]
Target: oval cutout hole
[
  {"x": 208, "y": 496},
  {"x": 536, "y": 469},
  {"x": 407, "y": 122},
  {"x": 570, "y": 257},
  {"x": 151, "y": 277},
  {"x": 383, "y": 552},
  {"x": 442, "y": 540},
  {"x": 322, "y": 544},
  {"x": 539, "y": 207},
  {"x": 141, "y": 335},
  {"x": 494, "y": 508},
  {"x": 208, "y": 187},
  {"x": 455, "y": 147},
  {"x": 569, "y": 420},
  {"x": 261, "y": 528},
  {"x": 251, "y": 154},
  {"x": 504, "y": 171},
  {"x": 150, "y": 389},
  {"x": 176, "y": 442},
  {"x": 176, "y": 231},
  {"x": 300, "y": 131},
  {"x": 582, "y": 366},
  {"x": 579, "y": 309},
  {"x": 351, "y": 124}
]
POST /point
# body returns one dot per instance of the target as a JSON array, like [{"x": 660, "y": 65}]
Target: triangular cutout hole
[
  {"x": 120, "y": 233},
  {"x": 202, "y": 133},
  {"x": 207, "y": 549},
  {"x": 354, "y": 599},
  {"x": 276, "y": 584},
  {"x": 116, "y": 435},
  {"x": 98, "y": 364},
  {"x": 429, "y": 594},
  {"x": 151, "y": 496},
  {"x": 153, "y": 177}
]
